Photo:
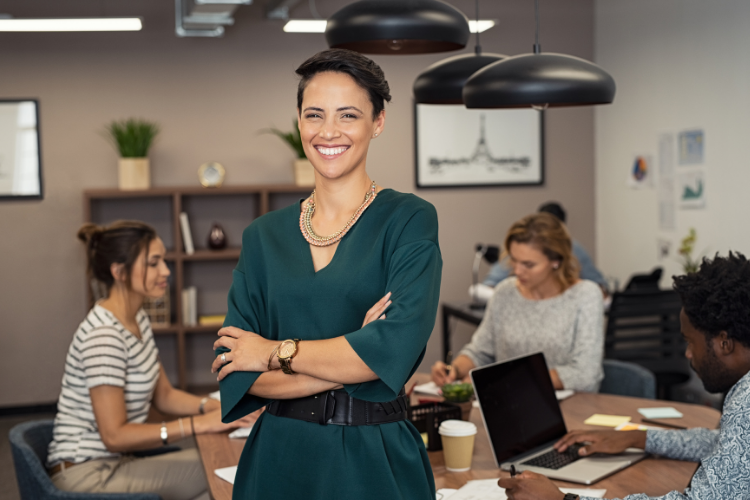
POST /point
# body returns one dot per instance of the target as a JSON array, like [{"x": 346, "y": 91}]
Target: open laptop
[{"x": 523, "y": 421}]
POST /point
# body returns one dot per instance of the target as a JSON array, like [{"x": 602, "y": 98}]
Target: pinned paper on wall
[
  {"x": 691, "y": 147},
  {"x": 640, "y": 174},
  {"x": 692, "y": 189},
  {"x": 666, "y": 197}
]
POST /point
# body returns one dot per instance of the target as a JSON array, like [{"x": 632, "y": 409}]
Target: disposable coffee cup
[{"x": 458, "y": 444}]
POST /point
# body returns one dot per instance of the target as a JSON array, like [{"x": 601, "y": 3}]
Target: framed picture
[
  {"x": 20, "y": 153},
  {"x": 460, "y": 147}
]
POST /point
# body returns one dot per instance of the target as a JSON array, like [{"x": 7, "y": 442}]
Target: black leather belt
[{"x": 338, "y": 408}]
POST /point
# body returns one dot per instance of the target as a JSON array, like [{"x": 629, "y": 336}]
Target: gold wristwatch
[{"x": 287, "y": 350}]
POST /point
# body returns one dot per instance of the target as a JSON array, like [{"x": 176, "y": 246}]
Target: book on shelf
[
  {"x": 190, "y": 306},
  {"x": 187, "y": 236},
  {"x": 211, "y": 319}
]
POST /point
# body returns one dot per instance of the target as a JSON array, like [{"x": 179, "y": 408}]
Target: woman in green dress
[{"x": 335, "y": 423}]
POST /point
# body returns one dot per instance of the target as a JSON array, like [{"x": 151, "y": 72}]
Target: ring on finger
[{"x": 224, "y": 358}]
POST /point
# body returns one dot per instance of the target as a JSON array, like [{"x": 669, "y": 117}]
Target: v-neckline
[{"x": 338, "y": 247}]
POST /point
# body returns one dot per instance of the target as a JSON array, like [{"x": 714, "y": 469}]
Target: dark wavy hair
[
  {"x": 119, "y": 243},
  {"x": 716, "y": 298},
  {"x": 363, "y": 70}
]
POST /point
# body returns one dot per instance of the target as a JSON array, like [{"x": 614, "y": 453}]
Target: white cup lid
[{"x": 457, "y": 428}]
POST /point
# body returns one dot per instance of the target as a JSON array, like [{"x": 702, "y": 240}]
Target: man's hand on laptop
[
  {"x": 530, "y": 486},
  {"x": 603, "y": 441}
]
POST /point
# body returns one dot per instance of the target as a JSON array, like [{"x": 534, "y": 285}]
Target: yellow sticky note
[{"x": 606, "y": 420}]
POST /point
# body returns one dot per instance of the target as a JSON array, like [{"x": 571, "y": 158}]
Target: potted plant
[
  {"x": 304, "y": 173},
  {"x": 460, "y": 394},
  {"x": 133, "y": 139},
  {"x": 687, "y": 245}
]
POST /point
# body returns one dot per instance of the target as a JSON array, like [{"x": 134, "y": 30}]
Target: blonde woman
[{"x": 543, "y": 307}]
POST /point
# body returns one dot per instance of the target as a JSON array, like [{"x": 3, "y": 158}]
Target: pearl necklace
[{"x": 305, "y": 220}]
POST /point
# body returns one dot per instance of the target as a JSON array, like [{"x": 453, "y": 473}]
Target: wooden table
[{"x": 653, "y": 476}]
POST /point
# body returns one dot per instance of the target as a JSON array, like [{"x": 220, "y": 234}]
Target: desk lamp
[{"x": 491, "y": 254}]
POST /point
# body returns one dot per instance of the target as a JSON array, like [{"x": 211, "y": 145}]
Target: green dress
[{"x": 277, "y": 294}]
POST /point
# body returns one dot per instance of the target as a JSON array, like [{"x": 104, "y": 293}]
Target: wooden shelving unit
[{"x": 103, "y": 206}]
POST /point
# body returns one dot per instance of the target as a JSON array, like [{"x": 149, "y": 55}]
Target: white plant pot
[
  {"x": 134, "y": 173},
  {"x": 304, "y": 173}
]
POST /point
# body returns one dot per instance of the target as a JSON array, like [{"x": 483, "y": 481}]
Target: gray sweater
[{"x": 568, "y": 329}]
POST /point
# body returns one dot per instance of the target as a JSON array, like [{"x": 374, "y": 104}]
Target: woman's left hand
[{"x": 248, "y": 352}]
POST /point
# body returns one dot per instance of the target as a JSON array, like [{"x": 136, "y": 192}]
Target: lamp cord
[
  {"x": 537, "y": 47},
  {"x": 478, "y": 48}
]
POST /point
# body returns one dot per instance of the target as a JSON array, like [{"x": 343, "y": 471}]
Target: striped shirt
[{"x": 103, "y": 352}]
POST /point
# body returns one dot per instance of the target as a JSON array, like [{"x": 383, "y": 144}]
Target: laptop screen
[{"x": 519, "y": 405}]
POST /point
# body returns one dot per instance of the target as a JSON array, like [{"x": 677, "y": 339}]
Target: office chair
[
  {"x": 645, "y": 281},
  {"x": 623, "y": 378},
  {"x": 643, "y": 327},
  {"x": 28, "y": 443}
]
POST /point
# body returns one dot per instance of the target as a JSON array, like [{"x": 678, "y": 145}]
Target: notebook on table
[{"x": 523, "y": 420}]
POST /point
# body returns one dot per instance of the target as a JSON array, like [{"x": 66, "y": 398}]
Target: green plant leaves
[
  {"x": 292, "y": 138},
  {"x": 132, "y": 137}
]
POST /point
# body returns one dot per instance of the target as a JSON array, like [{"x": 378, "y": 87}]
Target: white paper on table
[
  {"x": 429, "y": 388},
  {"x": 444, "y": 493},
  {"x": 227, "y": 473},
  {"x": 564, "y": 394},
  {"x": 241, "y": 432},
  {"x": 215, "y": 395},
  {"x": 487, "y": 489}
]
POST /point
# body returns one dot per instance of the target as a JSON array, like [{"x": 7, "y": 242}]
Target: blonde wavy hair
[{"x": 548, "y": 234}]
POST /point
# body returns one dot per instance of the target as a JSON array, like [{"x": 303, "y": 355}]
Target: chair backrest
[
  {"x": 28, "y": 443},
  {"x": 627, "y": 379},
  {"x": 644, "y": 325}
]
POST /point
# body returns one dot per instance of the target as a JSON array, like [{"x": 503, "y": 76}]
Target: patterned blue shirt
[{"x": 724, "y": 454}]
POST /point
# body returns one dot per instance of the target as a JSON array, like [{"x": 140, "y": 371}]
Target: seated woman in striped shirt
[{"x": 113, "y": 375}]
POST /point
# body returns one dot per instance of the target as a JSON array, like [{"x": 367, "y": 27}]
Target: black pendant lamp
[
  {"x": 443, "y": 82},
  {"x": 398, "y": 27},
  {"x": 539, "y": 80}
]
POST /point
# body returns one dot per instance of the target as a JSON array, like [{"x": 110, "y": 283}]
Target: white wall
[{"x": 678, "y": 64}]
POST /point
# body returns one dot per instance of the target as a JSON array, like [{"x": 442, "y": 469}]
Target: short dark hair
[
  {"x": 716, "y": 297},
  {"x": 554, "y": 208},
  {"x": 363, "y": 70},
  {"x": 119, "y": 243}
]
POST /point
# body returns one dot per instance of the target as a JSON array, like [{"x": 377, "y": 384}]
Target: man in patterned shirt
[{"x": 715, "y": 322}]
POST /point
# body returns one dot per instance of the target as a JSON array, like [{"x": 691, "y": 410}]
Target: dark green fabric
[{"x": 277, "y": 294}]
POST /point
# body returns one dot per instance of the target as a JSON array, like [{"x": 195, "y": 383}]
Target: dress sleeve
[
  {"x": 104, "y": 357},
  {"x": 245, "y": 306},
  {"x": 394, "y": 347},
  {"x": 584, "y": 370}
]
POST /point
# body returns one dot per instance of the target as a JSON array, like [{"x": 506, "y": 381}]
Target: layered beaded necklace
[{"x": 305, "y": 220}]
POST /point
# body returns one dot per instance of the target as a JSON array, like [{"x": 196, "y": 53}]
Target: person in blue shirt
[
  {"x": 715, "y": 322},
  {"x": 588, "y": 271}
]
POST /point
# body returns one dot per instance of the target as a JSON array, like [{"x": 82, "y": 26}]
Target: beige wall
[{"x": 210, "y": 96}]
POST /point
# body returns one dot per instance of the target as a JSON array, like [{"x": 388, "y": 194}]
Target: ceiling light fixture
[
  {"x": 79, "y": 24},
  {"x": 319, "y": 25},
  {"x": 539, "y": 80},
  {"x": 398, "y": 27},
  {"x": 443, "y": 82}
]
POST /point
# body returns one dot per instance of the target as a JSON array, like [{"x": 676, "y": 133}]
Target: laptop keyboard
[{"x": 553, "y": 459}]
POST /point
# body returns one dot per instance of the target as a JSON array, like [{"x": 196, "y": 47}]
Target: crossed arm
[{"x": 320, "y": 365}]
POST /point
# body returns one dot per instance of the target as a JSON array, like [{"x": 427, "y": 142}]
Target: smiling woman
[{"x": 302, "y": 336}]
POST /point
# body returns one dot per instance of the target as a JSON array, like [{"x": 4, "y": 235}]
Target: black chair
[
  {"x": 643, "y": 327},
  {"x": 28, "y": 443},
  {"x": 623, "y": 378},
  {"x": 645, "y": 281}
]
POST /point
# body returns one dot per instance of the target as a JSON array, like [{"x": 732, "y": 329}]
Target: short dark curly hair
[
  {"x": 716, "y": 298},
  {"x": 363, "y": 70}
]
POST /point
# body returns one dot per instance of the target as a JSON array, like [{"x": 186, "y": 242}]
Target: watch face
[
  {"x": 211, "y": 174},
  {"x": 286, "y": 349}
]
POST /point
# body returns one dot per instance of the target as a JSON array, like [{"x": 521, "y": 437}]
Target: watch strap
[
  {"x": 571, "y": 496},
  {"x": 202, "y": 407}
]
